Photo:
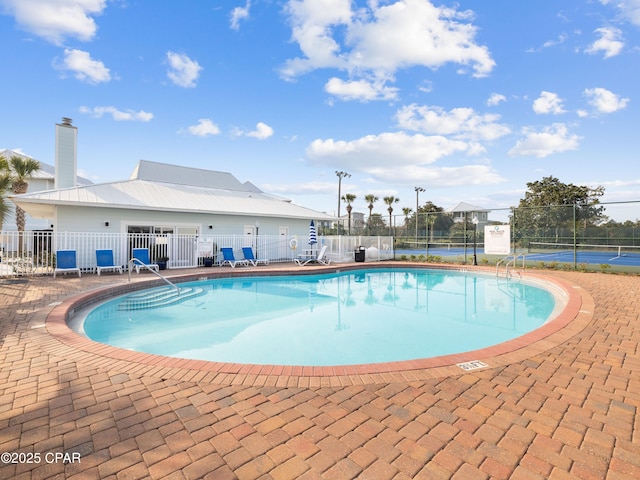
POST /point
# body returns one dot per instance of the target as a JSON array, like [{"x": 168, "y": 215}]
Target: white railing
[{"x": 33, "y": 252}]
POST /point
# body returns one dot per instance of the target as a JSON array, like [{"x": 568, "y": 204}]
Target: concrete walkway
[{"x": 568, "y": 410}]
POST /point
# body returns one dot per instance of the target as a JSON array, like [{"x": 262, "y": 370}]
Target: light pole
[
  {"x": 418, "y": 190},
  {"x": 257, "y": 229},
  {"x": 475, "y": 235},
  {"x": 340, "y": 175}
]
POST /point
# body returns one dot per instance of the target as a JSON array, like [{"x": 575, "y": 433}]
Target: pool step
[{"x": 158, "y": 298}]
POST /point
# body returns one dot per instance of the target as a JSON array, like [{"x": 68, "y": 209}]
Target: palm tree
[
  {"x": 348, "y": 198},
  {"x": 390, "y": 201},
  {"x": 5, "y": 185},
  {"x": 21, "y": 170},
  {"x": 406, "y": 211},
  {"x": 370, "y": 199}
]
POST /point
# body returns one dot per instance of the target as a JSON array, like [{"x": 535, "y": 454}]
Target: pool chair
[
  {"x": 321, "y": 258},
  {"x": 142, "y": 255},
  {"x": 248, "y": 256},
  {"x": 66, "y": 262},
  {"x": 104, "y": 261},
  {"x": 228, "y": 257}
]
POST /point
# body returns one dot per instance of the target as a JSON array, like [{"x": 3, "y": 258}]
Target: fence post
[{"x": 575, "y": 246}]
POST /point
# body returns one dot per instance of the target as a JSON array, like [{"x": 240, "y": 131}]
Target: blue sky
[{"x": 469, "y": 100}]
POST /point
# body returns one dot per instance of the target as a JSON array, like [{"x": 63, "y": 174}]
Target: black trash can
[{"x": 359, "y": 254}]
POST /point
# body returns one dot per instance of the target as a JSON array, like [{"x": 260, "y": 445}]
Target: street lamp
[
  {"x": 340, "y": 175},
  {"x": 257, "y": 229},
  {"x": 418, "y": 190},
  {"x": 475, "y": 235}
]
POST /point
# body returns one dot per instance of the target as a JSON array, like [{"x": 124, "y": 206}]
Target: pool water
[{"x": 356, "y": 317}]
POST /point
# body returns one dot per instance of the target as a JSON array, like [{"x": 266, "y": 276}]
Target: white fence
[{"x": 33, "y": 253}]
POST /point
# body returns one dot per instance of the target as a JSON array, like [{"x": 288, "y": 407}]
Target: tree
[
  {"x": 22, "y": 170},
  {"x": 436, "y": 218},
  {"x": 348, "y": 198},
  {"x": 550, "y": 205},
  {"x": 406, "y": 211},
  {"x": 378, "y": 227},
  {"x": 370, "y": 199},
  {"x": 389, "y": 201},
  {"x": 5, "y": 185}
]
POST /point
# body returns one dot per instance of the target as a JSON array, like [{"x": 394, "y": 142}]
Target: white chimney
[{"x": 66, "y": 154}]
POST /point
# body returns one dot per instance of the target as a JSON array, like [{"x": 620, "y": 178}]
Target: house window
[{"x": 149, "y": 229}]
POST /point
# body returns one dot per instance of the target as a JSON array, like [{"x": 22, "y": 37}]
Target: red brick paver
[{"x": 564, "y": 406}]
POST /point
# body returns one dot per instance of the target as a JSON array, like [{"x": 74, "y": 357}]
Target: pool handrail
[
  {"x": 142, "y": 264},
  {"x": 510, "y": 259}
]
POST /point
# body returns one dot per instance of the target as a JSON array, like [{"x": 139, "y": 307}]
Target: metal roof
[
  {"x": 46, "y": 171},
  {"x": 176, "y": 174},
  {"x": 466, "y": 207},
  {"x": 160, "y": 196}
]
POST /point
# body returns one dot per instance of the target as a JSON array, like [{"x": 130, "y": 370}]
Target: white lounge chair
[
  {"x": 320, "y": 258},
  {"x": 229, "y": 257},
  {"x": 104, "y": 262},
  {"x": 250, "y": 257},
  {"x": 142, "y": 257},
  {"x": 66, "y": 262}
]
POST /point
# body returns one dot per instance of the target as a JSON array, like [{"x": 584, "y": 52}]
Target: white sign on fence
[{"x": 497, "y": 239}]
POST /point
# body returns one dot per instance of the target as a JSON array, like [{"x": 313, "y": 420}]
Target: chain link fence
[{"x": 602, "y": 236}]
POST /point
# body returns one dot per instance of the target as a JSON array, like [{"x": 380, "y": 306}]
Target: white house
[
  {"x": 43, "y": 179},
  {"x": 157, "y": 198},
  {"x": 464, "y": 210},
  {"x": 164, "y": 198}
]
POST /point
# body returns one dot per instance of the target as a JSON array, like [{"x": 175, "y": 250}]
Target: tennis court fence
[{"x": 613, "y": 251}]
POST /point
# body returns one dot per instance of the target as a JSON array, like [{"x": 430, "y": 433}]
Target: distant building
[
  {"x": 464, "y": 210},
  {"x": 43, "y": 179}
]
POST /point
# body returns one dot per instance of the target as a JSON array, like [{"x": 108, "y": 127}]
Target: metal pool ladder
[
  {"x": 510, "y": 262},
  {"x": 135, "y": 260}
]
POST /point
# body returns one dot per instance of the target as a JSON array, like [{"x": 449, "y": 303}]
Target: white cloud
[
  {"x": 374, "y": 153},
  {"x": 552, "y": 139},
  {"x": 496, "y": 99},
  {"x": 378, "y": 40},
  {"x": 182, "y": 70},
  {"x": 304, "y": 188},
  {"x": 262, "y": 131},
  {"x": 630, "y": 9},
  {"x": 238, "y": 14},
  {"x": 362, "y": 90},
  {"x": 118, "y": 115},
  {"x": 460, "y": 123},
  {"x": 548, "y": 102},
  {"x": 551, "y": 43},
  {"x": 454, "y": 176},
  {"x": 204, "y": 128},
  {"x": 605, "y": 101},
  {"x": 54, "y": 20},
  {"x": 84, "y": 67},
  {"x": 609, "y": 42},
  {"x": 402, "y": 159}
]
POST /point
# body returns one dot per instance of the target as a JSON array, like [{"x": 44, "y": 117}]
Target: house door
[{"x": 284, "y": 250}]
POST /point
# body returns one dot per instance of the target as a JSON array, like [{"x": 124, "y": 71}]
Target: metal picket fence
[{"x": 34, "y": 252}]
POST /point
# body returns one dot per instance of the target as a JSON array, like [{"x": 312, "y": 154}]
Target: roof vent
[{"x": 66, "y": 121}]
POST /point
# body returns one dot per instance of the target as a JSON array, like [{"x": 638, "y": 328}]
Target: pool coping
[{"x": 577, "y": 313}]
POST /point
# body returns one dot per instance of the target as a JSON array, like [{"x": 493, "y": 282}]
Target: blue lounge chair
[
  {"x": 142, "y": 255},
  {"x": 228, "y": 257},
  {"x": 248, "y": 256},
  {"x": 66, "y": 262},
  {"x": 104, "y": 261}
]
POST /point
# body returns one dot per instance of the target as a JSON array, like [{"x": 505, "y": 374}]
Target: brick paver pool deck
[{"x": 563, "y": 407}]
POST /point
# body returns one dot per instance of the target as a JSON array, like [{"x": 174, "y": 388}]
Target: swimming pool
[{"x": 341, "y": 318}]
